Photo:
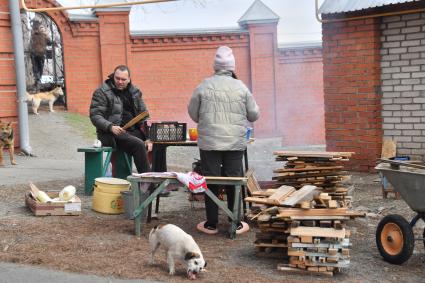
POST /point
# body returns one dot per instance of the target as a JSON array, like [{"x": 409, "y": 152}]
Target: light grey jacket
[{"x": 222, "y": 106}]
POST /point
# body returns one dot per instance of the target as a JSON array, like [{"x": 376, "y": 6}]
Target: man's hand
[
  {"x": 117, "y": 130},
  {"x": 149, "y": 146}
]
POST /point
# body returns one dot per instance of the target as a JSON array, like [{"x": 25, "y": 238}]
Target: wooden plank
[
  {"x": 306, "y": 239},
  {"x": 290, "y": 212},
  {"x": 270, "y": 245},
  {"x": 265, "y": 193},
  {"x": 309, "y": 168},
  {"x": 306, "y": 204},
  {"x": 389, "y": 148},
  {"x": 318, "y": 232},
  {"x": 303, "y": 194},
  {"x": 340, "y": 263},
  {"x": 261, "y": 200},
  {"x": 313, "y": 183},
  {"x": 136, "y": 119},
  {"x": 282, "y": 267},
  {"x": 309, "y": 175},
  {"x": 273, "y": 229},
  {"x": 293, "y": 239},
  {"x": 321, "y": 245},
  {"x": 282, "y": 193},
  {"x": 295, "y": 252},
  {"x": 332, "y": 204},
  {"x": 329, "y": 154},
  {"x": 252, "y": 183},
  {"x": 332, "y": 251}
]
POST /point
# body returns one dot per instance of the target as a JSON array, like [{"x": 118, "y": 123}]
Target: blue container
[
  {"x": 401, "y": 158},
  {"x": 248, "y": 133}
]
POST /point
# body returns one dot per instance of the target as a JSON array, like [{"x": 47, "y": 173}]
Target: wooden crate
[{"x": 53, "y": 208}]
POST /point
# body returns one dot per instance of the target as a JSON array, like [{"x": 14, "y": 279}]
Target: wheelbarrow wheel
[{"x": 395, "y": 239}]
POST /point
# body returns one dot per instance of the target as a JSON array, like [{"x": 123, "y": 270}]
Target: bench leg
[
  {"x": 243, "y": 192},
  {"x": 236, "y": 212},
  {"x": 138, "y": 211},
  {"x": 136, "y": 202},
  {"x": 93, "y": 168},
  {"x": 232, "y": 215}
]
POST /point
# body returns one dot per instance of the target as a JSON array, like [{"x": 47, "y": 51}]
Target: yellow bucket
[{"x": 107, "y": 195}]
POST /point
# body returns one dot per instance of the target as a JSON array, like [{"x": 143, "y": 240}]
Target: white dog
[{"x": 178, "y": 244}]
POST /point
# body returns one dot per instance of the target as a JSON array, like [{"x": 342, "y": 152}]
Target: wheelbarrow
[{"x": 394, "y": 235}]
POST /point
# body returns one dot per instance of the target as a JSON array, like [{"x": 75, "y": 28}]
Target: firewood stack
[
  {"x": 322, "y": 169},
  {"x": 304, "y": 222}
]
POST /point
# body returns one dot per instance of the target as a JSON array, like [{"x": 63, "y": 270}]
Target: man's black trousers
[{"x": 132, "y": 143}]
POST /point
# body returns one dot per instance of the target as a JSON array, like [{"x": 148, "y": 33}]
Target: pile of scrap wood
[
  {"x": 305, "y": 223},
  {"x": 322, "y": 169}
]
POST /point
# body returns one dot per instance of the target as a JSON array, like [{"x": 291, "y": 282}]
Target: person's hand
[
  {"x": 117, "y": 130},
  {"x": 148, "y": 145}
]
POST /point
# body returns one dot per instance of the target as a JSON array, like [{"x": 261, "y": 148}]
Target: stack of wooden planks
[
  {"x": 322, "y": 169},
  {"x": 305, "y": 223}
]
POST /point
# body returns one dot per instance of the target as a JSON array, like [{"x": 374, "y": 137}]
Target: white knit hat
[{"x": 224, "y": 59}]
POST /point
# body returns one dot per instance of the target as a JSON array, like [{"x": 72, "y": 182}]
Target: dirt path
[{"x": 105, "y": 245}]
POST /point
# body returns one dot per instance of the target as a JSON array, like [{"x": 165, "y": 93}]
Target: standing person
[
  {"x": 113, "y": 104},
  {"x": 222, "y": 106},
  {"x": 39, "y": 42}
]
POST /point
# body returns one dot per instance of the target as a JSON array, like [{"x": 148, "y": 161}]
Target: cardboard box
[{"x": 53, "y": 208}]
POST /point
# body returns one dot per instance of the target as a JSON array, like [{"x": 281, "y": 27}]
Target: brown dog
[
  {"x": 7, "y": 139},
  {"x": 49, "y": 96}
]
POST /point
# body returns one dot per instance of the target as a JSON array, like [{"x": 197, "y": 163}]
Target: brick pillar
[
  {"x": 351, "y": 61},
  {"x": 263, "y": 61},
  {"x": 114, "y": 37}
]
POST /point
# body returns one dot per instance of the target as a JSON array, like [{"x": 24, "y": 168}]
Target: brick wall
[
  {"x": 8, "y": 106},
  {"x": 83, "y": 69},
  {"x": 403, "y": 82},
  {"x": 169, "y": 67},
  {"x": 352, "y": 99},
  {"x": 263, "y": 61},
  {"x": 300, "y": 106}
]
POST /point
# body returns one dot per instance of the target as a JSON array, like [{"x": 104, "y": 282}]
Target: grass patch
[{"x": 82, "y": 124}]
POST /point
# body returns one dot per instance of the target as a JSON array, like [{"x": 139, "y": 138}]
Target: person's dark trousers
[
  {"x": 37, "y": 66},
  {"x": 132, "y": 143},
  {"x": 220, "y": 163}
]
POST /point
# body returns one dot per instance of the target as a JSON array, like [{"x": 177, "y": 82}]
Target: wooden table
[
  {"x": 159, "y": 164},
  {"x": 141, "y": 202}
]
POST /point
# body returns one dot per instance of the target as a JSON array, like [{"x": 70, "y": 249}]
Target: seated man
[{"x": 114, "y": 104}]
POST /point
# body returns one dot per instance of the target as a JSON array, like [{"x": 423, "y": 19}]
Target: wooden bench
[
  {"x": 142, "y": 200},
  {"x": 95, "y": 166}
]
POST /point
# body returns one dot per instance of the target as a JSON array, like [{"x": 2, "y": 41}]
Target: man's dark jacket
[{"x": 106, "y": 109}]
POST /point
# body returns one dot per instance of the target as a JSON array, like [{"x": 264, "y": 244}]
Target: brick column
[
  {"x": 114, "y": 37},
  {"x": 263, "y": 61},
  {"x": 351, "y": 73}
]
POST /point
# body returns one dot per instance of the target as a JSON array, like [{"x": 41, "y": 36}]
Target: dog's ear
[
  {"x": 8, "y": 124},
  {"x": 190, "y": 255}
]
